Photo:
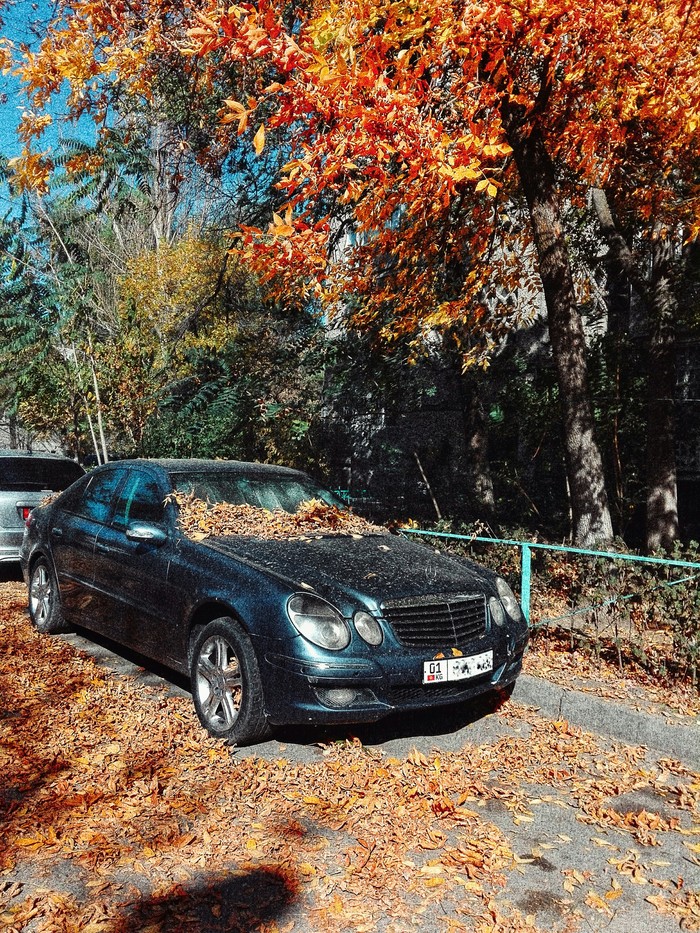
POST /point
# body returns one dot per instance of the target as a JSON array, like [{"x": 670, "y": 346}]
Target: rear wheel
[
  {"x": 44, "y": 599},
  {"x": 226, "y": 685}
]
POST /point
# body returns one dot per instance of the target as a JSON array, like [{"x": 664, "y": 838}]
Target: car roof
[
  {"x": 33, "y": 455},
  {"x": 212, "y": 466}
]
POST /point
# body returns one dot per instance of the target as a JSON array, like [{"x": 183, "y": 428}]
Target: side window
[
  {"x": 68, "y": 500},
  {"x": 97, "y": 495},
  {"x": 140, "y": 500}
]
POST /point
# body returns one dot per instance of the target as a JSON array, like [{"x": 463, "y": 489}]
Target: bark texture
[
  {"x": 589, "y": 501},
  {"x": 662, "y": 494},
  {"x": 477, "y": 450},
  {"x": 659, "y": 301}
]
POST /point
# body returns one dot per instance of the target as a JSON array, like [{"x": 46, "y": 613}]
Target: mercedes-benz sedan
[{"x": 279, "y": 619}]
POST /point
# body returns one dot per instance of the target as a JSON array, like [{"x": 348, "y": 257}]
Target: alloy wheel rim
[
  {"x": 40, "y": 595},
  {"x": 219, "y": 683}
]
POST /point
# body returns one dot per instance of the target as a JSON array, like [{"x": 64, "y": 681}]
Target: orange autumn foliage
[
  {"x": 201, "y": 520},
  {"x": 406, "y": 111},
  {"x": 397, "y": 112}
]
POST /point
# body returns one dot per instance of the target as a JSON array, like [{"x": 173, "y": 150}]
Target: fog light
[{"x": 337, "y": 697}]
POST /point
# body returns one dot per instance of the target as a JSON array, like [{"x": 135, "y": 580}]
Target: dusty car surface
[
  {"x": 25, "y": 480},
  {"x": 281, "y": 606}
]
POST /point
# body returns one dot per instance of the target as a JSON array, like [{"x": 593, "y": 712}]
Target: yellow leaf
[
  {"x": 235, "y": 106},
  {"x": 594, "y": 900},
  {"x": 434, "y": 882},
  {"x": 657, "y": 900},
  {"x": 29, "y": 842},
  {"x": 337, "y": 907},
  {"x": 259, "y": 139}
]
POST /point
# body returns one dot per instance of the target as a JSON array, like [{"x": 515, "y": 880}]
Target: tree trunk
[
  {"x": 659, "y": 302},
  {"x": 476, "y": 446},
  {"x": 662, "y": 500},
  {"x": 620, "y": 254},
  {"x": 622, "y": 276},
  {"x": 14, "y": 433},
  {"x": 589, "y": 501}
]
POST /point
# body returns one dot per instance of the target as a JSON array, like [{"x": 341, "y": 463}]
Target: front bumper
[{"x": 301, "y": 691}]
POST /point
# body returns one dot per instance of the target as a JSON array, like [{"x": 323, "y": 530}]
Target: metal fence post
[{"x": 525, "y": 575}]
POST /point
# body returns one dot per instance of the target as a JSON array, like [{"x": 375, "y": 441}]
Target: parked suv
[{"x": 25, "y": 481}]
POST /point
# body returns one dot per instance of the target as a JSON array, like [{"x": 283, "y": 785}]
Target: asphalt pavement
[{"x": 577, "y": 868}]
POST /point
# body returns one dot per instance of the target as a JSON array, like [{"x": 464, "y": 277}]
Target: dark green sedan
[{"x": 323, "y": 626}]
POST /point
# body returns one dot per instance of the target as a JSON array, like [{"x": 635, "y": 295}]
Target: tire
[
  {"x": 45, "y": 600},
  {"x": 226, "y": 685}
]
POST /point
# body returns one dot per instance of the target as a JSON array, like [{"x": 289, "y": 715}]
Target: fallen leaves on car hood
[{"x": 200, "y": 520}]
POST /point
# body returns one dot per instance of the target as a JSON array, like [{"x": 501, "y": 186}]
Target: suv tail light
[{"x": 25, "y": 511}]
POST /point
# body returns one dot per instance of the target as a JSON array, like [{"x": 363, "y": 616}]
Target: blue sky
[{"x": 17, "y": 16}]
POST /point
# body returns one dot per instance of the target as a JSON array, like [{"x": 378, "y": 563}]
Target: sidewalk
[{"x": 612, "y": 718}]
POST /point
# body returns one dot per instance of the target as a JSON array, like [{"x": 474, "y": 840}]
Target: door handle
[{"x": 57, "y": 532}]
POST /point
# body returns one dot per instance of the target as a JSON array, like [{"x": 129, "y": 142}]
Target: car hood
[{"x": 378, "y": 567}]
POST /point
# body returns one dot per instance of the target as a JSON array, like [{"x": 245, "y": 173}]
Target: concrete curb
[{"x": 611, "y": 718}]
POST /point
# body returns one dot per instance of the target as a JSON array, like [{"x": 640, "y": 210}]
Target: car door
[
  {"x": 132, "y": 575},
  {"x": 74, "y": 527}
]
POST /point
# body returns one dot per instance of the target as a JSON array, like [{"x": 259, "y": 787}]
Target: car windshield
[
  {"x": 267, "y": 491},
  {"x": 23, "y": 473}
]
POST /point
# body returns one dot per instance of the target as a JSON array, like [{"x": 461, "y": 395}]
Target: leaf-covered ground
[
  {"x": 118, "y": 814},
  {"x": 552, "y": 657}
]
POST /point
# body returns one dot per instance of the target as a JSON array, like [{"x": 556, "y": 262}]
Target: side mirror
[{"x": 146, "y": 533}]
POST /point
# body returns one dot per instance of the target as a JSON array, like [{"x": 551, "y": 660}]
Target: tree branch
[{"x": 617, "y": 243}]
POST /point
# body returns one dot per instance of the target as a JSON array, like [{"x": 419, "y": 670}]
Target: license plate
[{"x": 450, "y": 669}]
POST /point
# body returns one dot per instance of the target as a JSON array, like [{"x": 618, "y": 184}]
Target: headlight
[
  {"x": 368, "y": 628},
  {"x": 510, "y": 603},
  {"x": 318, "y": 621},
  {"x": 497, "y": 611}
]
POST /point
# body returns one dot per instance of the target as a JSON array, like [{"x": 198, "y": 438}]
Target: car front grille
[
  {"x": 431, "y": 622},
  {"x": 442, "y": 693}
]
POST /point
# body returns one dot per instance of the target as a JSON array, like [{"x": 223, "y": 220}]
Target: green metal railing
[{"x": 527, "y": 547}]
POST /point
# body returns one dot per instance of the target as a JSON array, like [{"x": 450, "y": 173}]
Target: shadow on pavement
[
  {"x": 10, "y": 573},
  {"x": 241, "y": 902}
]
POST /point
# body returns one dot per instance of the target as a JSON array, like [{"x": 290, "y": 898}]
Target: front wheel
[
  {"x": 226, "y": 685},
  {"x": 44, "y": 600}
]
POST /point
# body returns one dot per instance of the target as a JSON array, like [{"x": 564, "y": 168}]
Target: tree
[
  {"x": 414, "y": 127},
  {"x": 413, "y": 109}
]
